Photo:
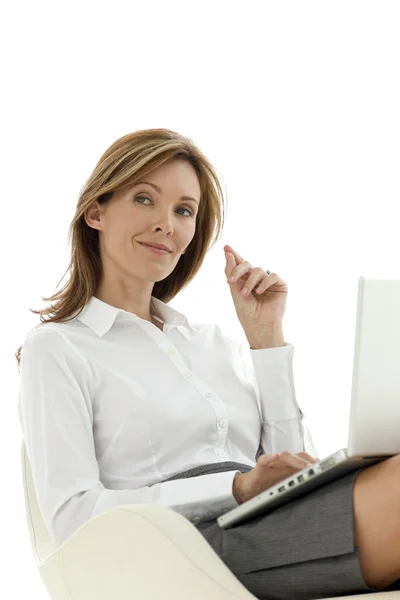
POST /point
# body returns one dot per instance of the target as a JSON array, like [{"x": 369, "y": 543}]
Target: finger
[
  {"x": 230, "y": 264},
  {"x": 239, "y": 271},
  {"x": 264, "y": 283},
  {"x": 239, "y": 258},
  {"x": 256, "y": 276},
  {"x": 267, "y": 458},
  {"x": 291, "y": 460},
  {"x": 307, "y": 457},
  {"x": 266, "y": 462}
]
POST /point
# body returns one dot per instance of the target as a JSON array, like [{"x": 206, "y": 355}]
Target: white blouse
[{"x": 111, "y": 406}]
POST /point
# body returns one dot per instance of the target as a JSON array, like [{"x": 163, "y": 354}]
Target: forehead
[{"x": 176, "y": 175}]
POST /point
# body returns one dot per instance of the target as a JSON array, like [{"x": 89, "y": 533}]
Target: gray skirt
[{"x": 300, "y": 551}]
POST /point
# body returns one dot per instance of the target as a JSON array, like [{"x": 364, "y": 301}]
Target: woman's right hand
[{"x": 269, "y": 470}]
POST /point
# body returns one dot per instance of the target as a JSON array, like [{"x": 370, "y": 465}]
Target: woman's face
[{"x": 149, "y": 213}]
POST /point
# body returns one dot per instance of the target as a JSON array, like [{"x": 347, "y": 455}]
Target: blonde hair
[{"x": 126, "y": 161}]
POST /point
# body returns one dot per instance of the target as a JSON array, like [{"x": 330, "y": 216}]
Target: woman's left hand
[{"x": 255, "y": 310}]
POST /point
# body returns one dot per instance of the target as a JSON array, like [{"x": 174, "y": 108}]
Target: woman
[{"x": 122, "y": 400}]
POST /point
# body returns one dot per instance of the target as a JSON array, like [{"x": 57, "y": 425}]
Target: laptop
[{"x": 374, "y": 428}]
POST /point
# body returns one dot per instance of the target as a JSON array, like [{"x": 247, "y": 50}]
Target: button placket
[{"x": 218, "y": 405}]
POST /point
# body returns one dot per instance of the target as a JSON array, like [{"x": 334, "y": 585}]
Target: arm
[
  {"x": 55, "y": 412},
  {"x": 271, "y": 373}
]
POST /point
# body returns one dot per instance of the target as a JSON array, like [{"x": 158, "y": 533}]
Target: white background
[{"x": 297, "y": 106}]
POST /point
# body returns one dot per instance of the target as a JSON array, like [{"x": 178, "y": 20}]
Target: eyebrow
[{"x": 156, "y": 187}]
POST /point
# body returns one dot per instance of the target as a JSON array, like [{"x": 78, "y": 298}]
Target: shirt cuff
[{"x": 274, "y": 373}]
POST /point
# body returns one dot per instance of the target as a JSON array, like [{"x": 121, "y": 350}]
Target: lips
[
  {"x": 156, "y": 247},
  {"x": 154, "y": 250}
]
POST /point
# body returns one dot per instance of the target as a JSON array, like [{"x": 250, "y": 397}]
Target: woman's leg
[{"x": 377, "y": 522}]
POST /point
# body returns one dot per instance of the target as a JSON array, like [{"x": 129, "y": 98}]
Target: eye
[{"x": 182, "y": 207}]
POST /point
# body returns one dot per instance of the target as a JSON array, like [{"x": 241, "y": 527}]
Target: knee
[{"x": 377, "y": 523}]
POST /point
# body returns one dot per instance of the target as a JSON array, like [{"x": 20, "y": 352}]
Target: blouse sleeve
[
  {"x": 284, "y": 428},
  {"x": 55, "y": 412}
]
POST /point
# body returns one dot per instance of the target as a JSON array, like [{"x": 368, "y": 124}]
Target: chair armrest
[
  {"x": 145, "y": 551},
  {"x": 141, "y": 551}
]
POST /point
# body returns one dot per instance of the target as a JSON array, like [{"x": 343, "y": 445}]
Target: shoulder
[
  {"x": 40, "y": 335},
  {"x": 47, "y": 339}
]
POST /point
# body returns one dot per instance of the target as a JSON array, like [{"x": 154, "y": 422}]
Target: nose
[{"x": 164, "y": 223}]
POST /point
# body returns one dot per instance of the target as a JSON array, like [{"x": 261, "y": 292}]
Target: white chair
[{"x": 133, "y": 551}]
